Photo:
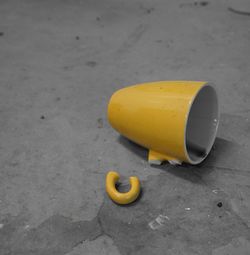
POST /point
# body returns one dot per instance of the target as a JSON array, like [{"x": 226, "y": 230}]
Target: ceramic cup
[{"x": 176, "y": 120}]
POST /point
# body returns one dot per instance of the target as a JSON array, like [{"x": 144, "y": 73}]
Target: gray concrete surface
[{"x": 60, "y": 62}]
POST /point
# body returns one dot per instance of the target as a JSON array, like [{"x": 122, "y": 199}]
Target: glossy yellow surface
[
  {"x": 118, "y": 197},
  {"x": 155, "y": 115}
]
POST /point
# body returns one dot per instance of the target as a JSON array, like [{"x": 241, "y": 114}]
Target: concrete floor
[{"x": 60, "y": 62}]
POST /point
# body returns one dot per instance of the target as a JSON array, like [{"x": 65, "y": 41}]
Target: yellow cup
[{"x": 176, "y": 120}]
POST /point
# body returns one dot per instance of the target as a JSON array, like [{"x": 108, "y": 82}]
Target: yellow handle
[{"x": 118, "y": 197}]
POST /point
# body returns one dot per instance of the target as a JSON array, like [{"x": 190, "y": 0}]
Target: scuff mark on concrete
[{"x": 133, "y": 38}]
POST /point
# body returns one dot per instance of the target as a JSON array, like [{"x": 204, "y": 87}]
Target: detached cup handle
[{"x": 118, "y": 197}]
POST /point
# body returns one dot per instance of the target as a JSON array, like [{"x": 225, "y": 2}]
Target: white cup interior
[{"x": 202, "y": 124}]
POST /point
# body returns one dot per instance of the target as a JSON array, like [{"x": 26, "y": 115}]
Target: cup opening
[{"x": 202, "y": 124}]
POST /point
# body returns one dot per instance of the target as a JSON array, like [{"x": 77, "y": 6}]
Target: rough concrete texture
[{"x": 60, "y": 62}]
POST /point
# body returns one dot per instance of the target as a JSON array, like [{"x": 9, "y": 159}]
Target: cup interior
[{"x": 202, "y": 124}]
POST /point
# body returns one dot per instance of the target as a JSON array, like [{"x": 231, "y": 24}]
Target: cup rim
[{"x": 210, "y": 145}]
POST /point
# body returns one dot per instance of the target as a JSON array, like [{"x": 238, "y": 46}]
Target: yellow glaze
[
  {"x": 155, "y": 116},
  {"x": 118, "y": 197}
]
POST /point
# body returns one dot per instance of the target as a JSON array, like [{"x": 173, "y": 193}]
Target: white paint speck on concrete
[
  {"x": 26, "y": 227},
  {"x": 158, "y": 222}
]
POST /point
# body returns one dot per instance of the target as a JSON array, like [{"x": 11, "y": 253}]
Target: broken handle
[{"x": 118, "y": 197}]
